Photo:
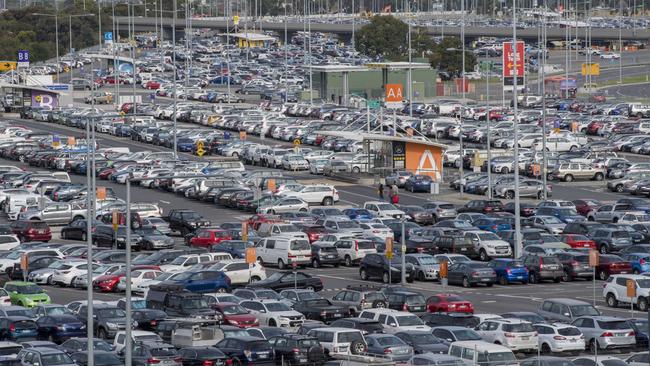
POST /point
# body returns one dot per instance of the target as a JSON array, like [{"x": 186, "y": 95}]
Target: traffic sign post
[
  {"x": 631, "y": 293},
  {"x": 389, "y": 248},
  {"x": 200, "y": 148},
  {"x": 244, "y": 231},
  {"x": 594, "y": 259},
  {"x": 24, "y": 265},
  {"x": 23, "y": 58},
  {"x": 590, "y": 69},
  {"x": 394, "y": 96},
  {"x": 442, "y": 274},
  {"x": 101, "y": 193},
  {"x": 108, "y": 37}
]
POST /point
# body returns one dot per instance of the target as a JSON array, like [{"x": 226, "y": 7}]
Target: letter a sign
[{"x": 394, "y": 96}]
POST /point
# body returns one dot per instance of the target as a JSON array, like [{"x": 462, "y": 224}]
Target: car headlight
[
  {"x": 111, "y": 325},
  {"x": 121, "y": 240}
]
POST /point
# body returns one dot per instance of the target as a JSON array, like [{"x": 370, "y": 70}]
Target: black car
[
  {"x": 320, "y": 309},
  {"x": 470, "y": 274},
  {"x": 247, "y": 350},
  {"x": 236, "y": 248},
  {"x": 378, "y": 266},
  {"x": 100, "y": 358},
  {"x": 58, "y": 328},
  {"x": 202, "y": 356},
  {"x": 482, "y": 206},
  {"x": 406, "y": 301},
  {"x": 143, "y": 353},
  {"x": 77, "y": 229},
  {"x": 34, "y": 263},
  {"x": 105, "y": 315},
  {"x": 296, "y": 349},
  {"x": 81, "y": 344},
  {"x": 575, "y": 265},
  {"x": 284, "y": 280},
  {"x": 366, "y": 326},
  {"x": 423, "y": 342},
  {"x": 324, "y": 254},
  {"x": 105, "y": 236},
  {"x": 444, "y": 319},
  {"x": 148, "y": 319}
]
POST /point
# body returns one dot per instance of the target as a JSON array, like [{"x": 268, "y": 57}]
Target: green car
[{"x": 26, "y": 294}]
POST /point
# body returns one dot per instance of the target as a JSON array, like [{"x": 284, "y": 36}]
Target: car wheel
[
  {"x": 101, "y": 333},
  {"x": 385, "y": 277},
  {"x": 483, "y": 256},
  {"x": 328, "y": 201},
  {"x": 509, "y": 195},
  {"x": 604, "y": 249},
  {"x": 466, "y": 283},
  {"x": 49, "y": 280},
  {"x": 356, "y": 170},
  {"x": 71, "y": 284},
  {"x": 63, "y": 235},
  {"x": 281, "y": 264},
  {"x": 315, "y": 263},
  {"x": 533, "y": 278},
  {"x": 568, "y": 178},
  {"x": 221, "y": 290},
  {"x": 619, "y": 188},
  {"x": 272, "y": 323},
  {"x": 598, "y": 177},
  {"x": 611, "y": 301},
  {"x": 260, "y": 261},
  {"x": 566, "y": 277},
  {"x": 421, "y": 276},
  {"x": 503, "y": 281},
  {"x": 603, "y": 275},
  {"x": 546, "y": 349},
  {"x": 348, "y": 261},
  {"x": 592, "y": 346},
  {"x": 357, "y": 347},
  {"x": 505, "y": 170},
  {"x": 363, "y": 275},
  {"x": 642, "y": 304}
]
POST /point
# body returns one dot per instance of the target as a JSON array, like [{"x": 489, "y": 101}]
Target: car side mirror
[
  {"x": 567, "y": 314},
  {"x": 262, "y": 311},
  {"x": 392, "y": 324},
  {"x": 449, "y": 340}
]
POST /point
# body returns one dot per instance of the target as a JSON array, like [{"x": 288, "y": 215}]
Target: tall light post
[
  {"x": 56, "y": 31},
  {"x": 463, "y": 102},
  {"x": 516, "y": 57},
  {"x": 175, "y": 82}
]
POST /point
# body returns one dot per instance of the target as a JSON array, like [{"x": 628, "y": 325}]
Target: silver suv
[{"x": 569, "y": 172}]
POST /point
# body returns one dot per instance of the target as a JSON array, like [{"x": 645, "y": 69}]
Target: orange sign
[
  {"x": 389, "y": 248},
  {"x": 394, "y": 95},
  {"x": 631, "y": 288},
  {"x": 271, "y": 185},
  {"x": 593, "y": 258},
  {"x": 242, "y": 135},
  {"x": 101, "y": 193},
  {"x": 251, "y": 255},
  {"x": 72, "y": 141},
  {"x": 444, "y": 267},
  {"x": 24, "y": 262},
  {"x": 244, "y": 231},
  {"x": 424, "y": 160}
]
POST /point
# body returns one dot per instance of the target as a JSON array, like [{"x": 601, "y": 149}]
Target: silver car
[
  {"x": 426, "y": 266},
  {"x": 606, "y": 332},
  {"x": 549, "y": 223},
  {"x": 441, "y": 210},
  {"x": 378, "y": 344}
]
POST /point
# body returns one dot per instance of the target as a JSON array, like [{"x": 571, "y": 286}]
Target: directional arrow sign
[{"x": 509, "y": 59}]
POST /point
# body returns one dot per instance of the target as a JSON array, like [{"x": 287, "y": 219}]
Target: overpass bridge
[{"x": 598, "y": 35}]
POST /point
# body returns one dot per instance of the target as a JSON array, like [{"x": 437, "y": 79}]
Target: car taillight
[
  {"x": 632, "y": 334},
  {"x": 12, "y": 328},
  {"x": 405, "y": 307},
  {"x": 153, "y": 361},
  {"x": 178, "y": 359},
  {"x": 641, "y": 261},
  {"x": 153, "y": 323},
  {"x": 575, "y": 263},
  {"x": 509, "y": 335},
  {"x": 295, "y": 350},
  {"x": 475, "y": 274},
  {"x": 607, "y": 334},
  {"x": 387, "y": 351}
]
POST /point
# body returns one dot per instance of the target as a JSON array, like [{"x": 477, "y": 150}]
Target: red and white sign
[
  {"x": 394, "y": 96},
  {"x": 509, "y": 59}
]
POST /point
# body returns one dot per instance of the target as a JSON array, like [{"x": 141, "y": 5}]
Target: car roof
[{"x": 566, "y": 301}]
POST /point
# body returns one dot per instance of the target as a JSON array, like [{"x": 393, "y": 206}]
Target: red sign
[{"x": 509, "y": 59}]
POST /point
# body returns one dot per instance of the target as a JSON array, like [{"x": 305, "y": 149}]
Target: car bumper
[
  {"x": 578, "y": 345},
  {"x": 616, "y": 342}
]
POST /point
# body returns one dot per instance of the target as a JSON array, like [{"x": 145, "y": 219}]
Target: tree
[
  {"x": 384, "y": 36},
  {"x": 448, "y": 56},
  {"x": 421, "y": 42}
]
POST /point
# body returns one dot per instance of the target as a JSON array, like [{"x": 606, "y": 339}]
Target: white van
[
  {"x": 284, "y": 251},
  {"x": 482, "y": 353},
  {"x": 340, "y": 341},
  {"x": 15, "y": 202}
]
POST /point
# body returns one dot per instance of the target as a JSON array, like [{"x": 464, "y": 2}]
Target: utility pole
[{"x": 516, "y": 57}]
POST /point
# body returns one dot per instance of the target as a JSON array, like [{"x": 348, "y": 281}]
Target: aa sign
[{"x": 394, "y": 95}]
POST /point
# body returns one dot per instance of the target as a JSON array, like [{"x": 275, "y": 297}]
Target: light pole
[
  {"x": 518, "y": 247},
  {"x": 56, "y": 31}
]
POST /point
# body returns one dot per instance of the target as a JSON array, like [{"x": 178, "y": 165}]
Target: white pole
[{"x": 518, "y": 244}]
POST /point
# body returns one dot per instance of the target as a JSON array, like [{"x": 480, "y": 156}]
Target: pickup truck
[
  {"x": 55, "y": 213},
  {"x": 185, "y": 221}
]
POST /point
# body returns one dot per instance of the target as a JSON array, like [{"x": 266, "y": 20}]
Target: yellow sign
[
  {"x": 389, "y": 248},
  {"x": 296, "y": 142},
  {"x": 7, "y": 65},
  {"x": 200, "y": 150},
  {"x": 631, "y": 288},
  {"x": 251, "y": 255},
  {"x": 24, "y": 262},
  {"x": 116, "y": 219},
  {"x": 101, "y": 193},
  {"x": 444, "y": 268},
  {"x": 244, "y": 231},
  {"x": 122, "y": 114},
  {"x": 72, "y": 141},
  {"x": 591, "y": 69},
  {"x": 235, "y": 20},
  {"x": 38, "y": 98},
  {"x": 242, "y": 135}
]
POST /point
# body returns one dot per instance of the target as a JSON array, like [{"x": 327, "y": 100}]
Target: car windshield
[
  {"x": 567, "y": 212},
  {"x": 613, "y": 325},
  {"x": 466, "y": 335},
  {"x": 348, "y": 225},
  {"x": 584, "y": 310},
  {"x": 620, "y": 234},
  {"x": 233, "y": 310},
  {"x": 518, "y": 328},
  {"x": 277, "y": 306},
  {"x": 488, "y": 236},
  {"x": 462, "y": 224},
  {"x": 195, "y": 303},
  {"x": 300, "y": 245},
  {"x": 111, "y": 313},
  {"x": 21, "y": 312},
  {"x": 56, "y": 359},
  {"x": 569, "y": 331},
  {"x": 643, "y": 283},
  {"x": 494, "y": 357},
  {"x": 408, "y": 320},
  {"x": 427, "y": 260},
  {"x": 424, "y": 338},
  {"x": 386, "y": 206},
  {"x": 179, "y": 261},
  {"x": 552, "y": 220},
  {"x": 57, "y": 310},
  {"x": 102, "y": 269},
  {"x": 390, "y": 341},
  {"x": 309, "y": 296},
  {"x": 29, "y": 289}
]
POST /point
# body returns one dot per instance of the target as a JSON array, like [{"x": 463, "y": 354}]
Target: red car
[
  {"x": 314, "y": 232},
  {"x": 610, "y": 264},
  {"x": 207, "y": 237},
  {"x": 152, "y": 84},
  {"x": 585, "y": 206},
  {"x": 449, "y": 303},
  {"x": 31, "y": 230},
  {"x": 255, "y": 221},
  {"x": 108, "y": 283},
  {"x": 236, "y": 315},
  {"x": 577, "y": 241}
]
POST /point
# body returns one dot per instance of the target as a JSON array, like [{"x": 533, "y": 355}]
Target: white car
[
  {"x": 240, "y": 272},
  {"x": 378, "y": 230},
  {"x": 559, "y": 144},
  {"x": 488, "y": 245},
  {"x": 383, "y": 209},
  {"x": 610, "y": 56},
  {"x": 274, "y": 313},
  {"x": 288, "y": 204},
  {"x": 137, "y": 277},
  {"x": 321, "y": 194},
  {"x": 143, "y": 286},
  {"x": 186, "y": 261},
  {"x": 559, "y": 337},
  {"x": 68, "y": 271},
  {"x": 8, "y": 242},
  {"x": 615, "y": 291},
  {"x": 394, "y": 321},
  {"x": 515, "y": 334},
  {"x": 5, "y": 300}
]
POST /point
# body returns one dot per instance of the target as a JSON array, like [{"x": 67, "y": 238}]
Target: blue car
[
  {"x": 204, "y": 281},
  {"x": 358, "y": 214},
  {"x": 418, "y": 183},
  {"x": 509, "y": 270},
  {"x": 565, "y": 214},
  {"x": 236, "y": 248},
  {"x": 18, "y": 329},
  {"x": 640, "y": 261},
  {"x": 492, "y": 224},
  {"x": 185, "y": 144},
  {"x": 59, "y": 328}
]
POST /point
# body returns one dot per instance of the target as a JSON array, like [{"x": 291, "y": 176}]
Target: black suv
[
  {"x": 454, "y": 243},
  {"x": 406, "y": 301},
  {"x": 324, "y": 254},
  {"x": 105, "y": 236},
  {"x": 575, "y": 265},
  {"x": 176, "y": 301},
  {"x": 367, "y": 326},
  {"x": 298, "y": 349},
  {"x": 482, "y": 206},
  {"x": 611, "y": 239},
  {"x": 378, "y": 266},
  {"x": 108, "y": 319},
  {"x": 450, "y": 319},
  {"x": 143, "y": 353},
  {"x": 543, "y": 267}
]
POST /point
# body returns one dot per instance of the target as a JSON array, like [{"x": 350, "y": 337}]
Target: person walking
[
  {"x": 380, "y": 190},
  {"x": 394, "y": 194}
]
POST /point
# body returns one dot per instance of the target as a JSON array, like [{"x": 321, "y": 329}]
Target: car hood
[{"x": 495, "y": 242}]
